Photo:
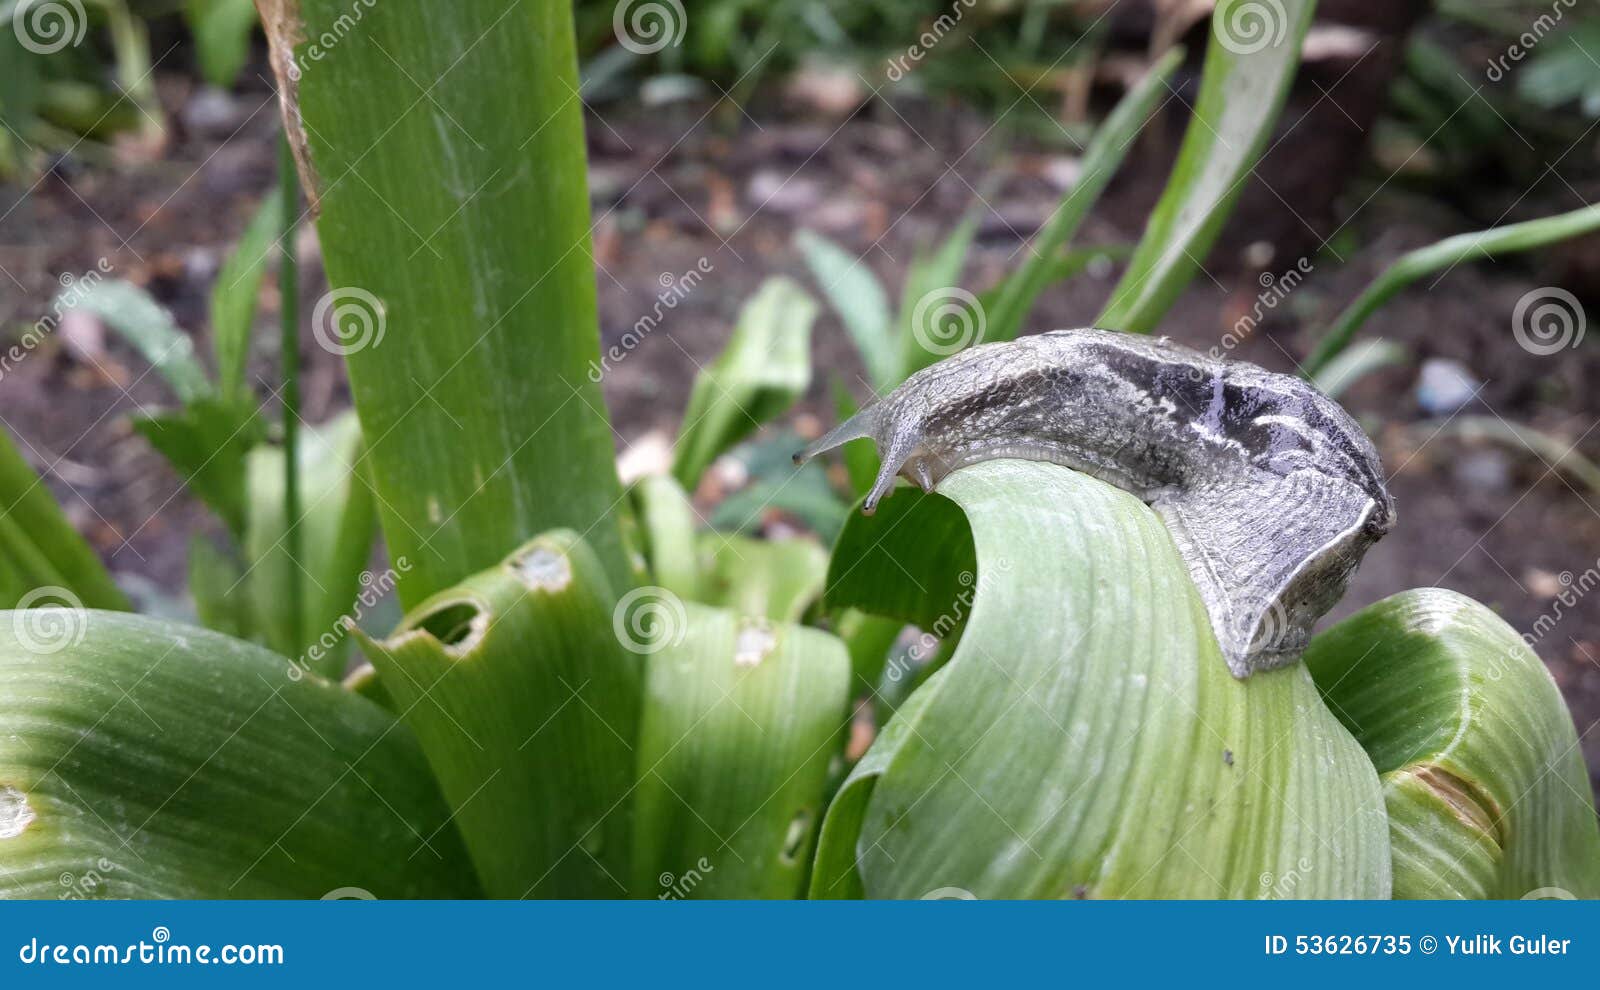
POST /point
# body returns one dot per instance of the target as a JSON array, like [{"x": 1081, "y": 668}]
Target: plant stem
[{"x": 289, "y": 370}]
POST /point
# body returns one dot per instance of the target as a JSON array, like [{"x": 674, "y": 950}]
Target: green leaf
[
  {"x": 218, "y": 585},
  {"x": 39, "y": 550},
  {"x": 1564, "y": 71},
  {"x": 233, "y": 297},
  {"x": 148, "y": 328},
  {"x": 1008, "y": 306},
  {"x": 207, "y": 442},
  {"x": 859, "y": 299},
  {"x": 834, "y": 875},
  {"x": 520, "y": 690},
  {"x": 1250, "y": 64},
  {"x": 443, "y": 147},
  {"x": 337, "y": 524},
  {"x": 743, "y": 720},
  {"x": 763, "y": 370},
  {"x": 222, "y": 36},
  {"x": 1481, "y": 769},
  {"x": 1085, "y": 738},
  {"x": 667, "y": 521},
  {"x": 146, "y": 759},
  {"x": 937, "y": 316},
  {"x": 775, "y": 579},
  {"x": 1448, "y": 253}
]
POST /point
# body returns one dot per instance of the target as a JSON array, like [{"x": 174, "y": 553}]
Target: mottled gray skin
[{"x": 1271, "y": 491}]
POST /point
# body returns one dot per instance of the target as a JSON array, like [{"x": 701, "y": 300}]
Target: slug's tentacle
[
  {"x": 860, "y": 426},
  {"x": 1270, "y": 490}
]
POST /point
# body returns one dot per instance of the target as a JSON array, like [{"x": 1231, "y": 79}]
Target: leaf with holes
[
  {"x": 518, "y": 685},
  {"x": 743, "y": 719}
]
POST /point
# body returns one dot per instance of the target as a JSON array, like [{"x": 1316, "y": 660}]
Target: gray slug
[{"x": 1270, "y": 490}]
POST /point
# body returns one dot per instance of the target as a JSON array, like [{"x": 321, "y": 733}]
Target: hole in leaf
[
  {"x": 15, "y": 815},
  {"x": 452, "y": 625},
  {"x": 794, "y": 840}
]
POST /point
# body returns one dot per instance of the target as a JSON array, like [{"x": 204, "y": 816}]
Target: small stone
[{"x": 1444, "y": 386}]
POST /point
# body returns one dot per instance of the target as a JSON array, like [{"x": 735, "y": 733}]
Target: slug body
[{"x": 1270, "y": 490}]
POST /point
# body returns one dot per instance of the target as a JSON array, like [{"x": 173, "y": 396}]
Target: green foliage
[
  {"x": 1242, "y": 90},
  {"x": 1482, "y": 775},
  {"x": 763, "y": 370},
  {"x": 1563, "y": 70},
  {"x": 743, "y": 718},
  {"x": 39, "y": 549},
  {"x": 222, "y": 30},
  {"x": 1059, "y": 754},
  {"x": 175, "y": 762},
  {"x": 468, "y": 319},
  {"x": 527, "y": 705}
]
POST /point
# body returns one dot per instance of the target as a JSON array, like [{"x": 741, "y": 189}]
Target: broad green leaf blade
[
  {"x": 1014, "y": 298},
  {"x": 337, "y": 524},
  {"x": 149, "y": 329},
  {"x": 1484, "y": 780},
  {"x": 1250, "y": 64},
  {"x": 207, "y": 442},
  {"x": 937, "y": 317},
  {"x": 764, "y": 369},
  {"x": 743, "y": 720},
  {"x": 859, "y": 299},
  {"x": 1085, "y": 738},
  {"x": 443, "y": 147},
  {"x": 168, "y": 761},
  {"x": 1453, "y": 251},
  {"x": 667, "y": 523},
  {"x": 221, "y": 31},
  {"x": 39, "y": 549},
  {"x": 233, "y": 297},
  {"x": 520, "y": 688},
  {"x": 774, "y": 579}
]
